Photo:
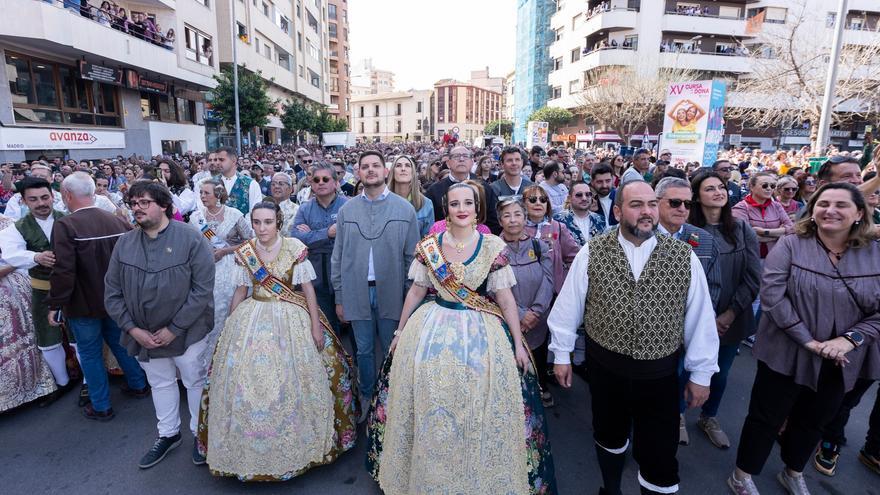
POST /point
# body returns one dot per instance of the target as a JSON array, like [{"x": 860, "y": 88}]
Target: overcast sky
[{"x": 423, "y": 41}]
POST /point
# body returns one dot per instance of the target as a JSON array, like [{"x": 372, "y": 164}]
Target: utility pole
[
  {"x": 235, "y": 79},
  {"x": 831, "y": 83}
]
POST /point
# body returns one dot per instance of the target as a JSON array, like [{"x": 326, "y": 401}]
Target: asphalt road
[{"x": 57, "y": 451}]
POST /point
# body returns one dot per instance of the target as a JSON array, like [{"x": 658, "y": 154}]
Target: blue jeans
[
  {"x": 726, "y": 355},
  {"x": 365, "y": 337},
  {"x": 91, "y": 333}
]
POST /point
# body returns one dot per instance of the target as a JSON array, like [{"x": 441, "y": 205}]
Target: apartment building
[
  {"x": 286, "y": 41},
  {"x": 508, "y": 100},
  {"x": 81, "y": 85},
  {"x": 712, "y": 38},
  {"x": 464, "y": 109},
  {"x": 339, "y": 63},
  {"x": 389, "y": 117},
  {"x": 367, "y": 79}
]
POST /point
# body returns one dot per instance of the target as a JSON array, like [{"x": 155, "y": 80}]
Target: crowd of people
[
  {"x": 141, "y": 25},
  {"x": 443, "y": 295}
]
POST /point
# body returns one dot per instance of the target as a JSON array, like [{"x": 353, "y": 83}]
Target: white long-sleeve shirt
[
  {"x": 16, "y": 209},
  {"x": 700, "y": 334},
  {"x": 14, "y": 247}
]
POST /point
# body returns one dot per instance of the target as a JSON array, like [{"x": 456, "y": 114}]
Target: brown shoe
[
  {"x": 683, "y": 437},
  {"x": 712, "y": 429}
]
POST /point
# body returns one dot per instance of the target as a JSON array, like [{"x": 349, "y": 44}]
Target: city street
[{"x": 56, "y": 450}]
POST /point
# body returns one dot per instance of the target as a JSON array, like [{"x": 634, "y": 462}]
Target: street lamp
[
  {"x": 831, "y": 81},
  {"x": 235, "y": 79}
]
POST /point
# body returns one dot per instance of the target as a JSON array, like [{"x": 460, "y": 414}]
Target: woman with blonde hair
[{"x": 404, "y": 182}]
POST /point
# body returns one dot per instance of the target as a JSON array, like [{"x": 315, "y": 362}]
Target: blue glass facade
[{"x": 533, "y": 62}]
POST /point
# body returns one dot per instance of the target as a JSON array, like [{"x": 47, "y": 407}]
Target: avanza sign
[{"x": 59, "y": 139}]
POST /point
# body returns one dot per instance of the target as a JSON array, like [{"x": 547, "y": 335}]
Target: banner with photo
[{"x": 693, "y": 121}]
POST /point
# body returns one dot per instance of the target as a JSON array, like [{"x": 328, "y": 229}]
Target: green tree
[
  {"x": 555, "y": 117},
  {"x": 297, "y": 118},
  {"x": 254, "y": 105},
  {"x": 499, "y": 128}
]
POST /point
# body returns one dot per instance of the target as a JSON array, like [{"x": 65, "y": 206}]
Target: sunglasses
[
  {"x": 535, "y": 199},
  {"x": 767, "y": 185},
  {"x": 788, "y": 189},
  {"x": 307, "y": 161},
  {"x": 319, "y": 180},
  {"x": 583, "y": 195},
  {"x": 810, "y": 182},
  {"x": 675, "y": 203}
]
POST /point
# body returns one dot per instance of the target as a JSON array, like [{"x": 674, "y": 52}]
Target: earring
[
  {"x": 812, "y": 220},
  {"x": 858, "y": 222}
]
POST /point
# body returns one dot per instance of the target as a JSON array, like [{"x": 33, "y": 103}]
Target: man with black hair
[
  {"x": 535, "y": 155},
  {"x": 734, "y": 192},
  {"x": 511, "y": 181},
  {"x": 603, "y": 182},
  {"x": 554, "y": 186}
]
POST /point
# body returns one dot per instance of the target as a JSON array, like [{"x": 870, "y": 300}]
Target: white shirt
[
  {"x": 606, "y": 204},
  {"x": 631, "y": 174},
  {"x": 16, "y": 209},
  {"x": 518, "y": 186},
  {"x": 185, "y": 202},
  {"x": 582, "y": 223},
  {"x": 676, "y": 234},
  {"x": 700, "y": 334},
  {"x": 255, "y": 194},
  {"x": 304, "y": 194},
  {"x": 371, "y": 275},
  {"x": 14, "y": 247}
]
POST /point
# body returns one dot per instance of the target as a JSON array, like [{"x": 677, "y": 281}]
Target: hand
[
  {"x": 144, "y": 338},
  {"x": 562, "y": 372},
  {"x": 723, "y": 321},
  {"x": 835, "y": 349},
  {"x": 331, "y": 231},
  {"x": 164, "y": 336},
  {"x": 46, "y": 258},
  {"x": 524, "y": 327},
  {"x": 394, "y": 343},
  {"x": 340, "y": 314},
  {"x": 531, "y": 319},
  {"x": 695, "y": 395},
  {"x": 813, "y": 346},
  {"x": 303, "y": 228},
  {"x": 219, "y": 254},
  {"x": 318, "y": 335},
  {"x": 53, "y": 318},
  {"x": 522, "y": 357}
]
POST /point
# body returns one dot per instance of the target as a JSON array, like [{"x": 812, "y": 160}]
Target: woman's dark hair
[
  {"x": 153, "y": 190},
  {"x": 177, "y": 180},
  {"x": 698, "y": 218},
  {"x": 268, "y": 203}
]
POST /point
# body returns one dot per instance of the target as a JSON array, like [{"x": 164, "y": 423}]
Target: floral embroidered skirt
[
  {"x": 275, "y": 406},
  {"x": 453, "y": 413}
]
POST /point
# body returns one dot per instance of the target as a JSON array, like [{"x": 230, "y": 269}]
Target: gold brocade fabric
[
  {"x": 271, "y": 404},
  {"x": 455, "y": 410}
]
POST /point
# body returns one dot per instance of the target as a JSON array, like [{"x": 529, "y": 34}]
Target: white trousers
[{"x": 162, "y": 375}]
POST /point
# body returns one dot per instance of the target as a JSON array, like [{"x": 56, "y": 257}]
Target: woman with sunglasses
[
  {"x": 737, "y": 259},
  {"x": 806, "y": 188},
  {"x": 786, "y": 188},
  {"x": 767, "y": 217},
  {"x": 540, "y": 225},
  {"x": 404, "y": 182}
]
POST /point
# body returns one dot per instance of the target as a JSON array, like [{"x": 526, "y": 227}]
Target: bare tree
[
  {"x": 789, "y": 67},
  {"x": 621, "y": 99}
]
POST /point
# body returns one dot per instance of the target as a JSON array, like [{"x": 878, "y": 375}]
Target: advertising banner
[
  {"x": 693, "y": 121},
  {"x": 99, "y": 73},
  {"x": 59, "y": 139},
  {"x": 537, "y": 134}
]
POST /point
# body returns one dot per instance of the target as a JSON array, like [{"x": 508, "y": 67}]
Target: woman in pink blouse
[
  {"x": 766, "y": 216},
  {"x": 540, "y": 225}
]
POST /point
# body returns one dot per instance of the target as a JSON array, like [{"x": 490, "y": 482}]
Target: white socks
[{"x": 55, "y": 358}]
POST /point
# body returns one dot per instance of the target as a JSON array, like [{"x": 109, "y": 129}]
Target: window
[
  {"x": 362, "y": 126},
  {"x": 266, "y": 10},
  {"x": 555, "y": 92},
  {"x": 776, "y": 15},
  {"x": 312, "y": 50},
  {"x": 576, "y": 54},
  {"x": 375, "y": 127},
  {"x": 167, "y": 108},
  {"x": 398, "y": 126},
  {"x": 559, "y": 33},
  {"x": 724, "y": 47},
  {"x": 50, "y": 93},
  {"x": 302, "y": 72},
  {"x": 574, "y": 86},
  {"x": 299, "y": 9},
  {"x": 376, "y": 110},
  {"x": 331, "y": 11},
  {"x": 198, "y": 46},
  {"x": 729, "y": 12},
  {"x": 557, "y": 63},
  {"x": 206, "y": 3},
  {"x": 314, "y": 79},
  {"x": 418, "y": 107},
  {"x": 267, "y": 50},
  {"x": 631, "y": 42},
  {"x": 419, "y": 125},
  {"x": 830, "y": 19},
  {"x": 242, "y": 32},
  {"x": 362, "y": 111},
  {"x": 398, "y": 112},
  {"x": 283, "y": 58},
  {"x": 332, "y": 29},
  {"x": 576, "y": 21},
  {"x": 313, "y": 23},
  {"x": 283, "y": 23},
  {"x": 257, "y": 44},
  {"x": 299, "y": 41}
]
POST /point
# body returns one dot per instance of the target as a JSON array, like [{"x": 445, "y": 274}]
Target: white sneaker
[
  {"x": 794, "y": 485},
  {"x": 742, "y": 487}
]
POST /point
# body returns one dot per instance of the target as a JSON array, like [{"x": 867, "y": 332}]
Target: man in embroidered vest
[
  {"x": 27, "y": 244},
  {"x": 642, "y": 297},
  {"x": 244, "y": 192},
  {"x": 581, "y": 222}
]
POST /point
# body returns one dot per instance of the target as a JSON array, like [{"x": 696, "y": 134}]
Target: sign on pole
[
  {"x": 693, "y": 122},
  {"x": 537, "y": 134}
]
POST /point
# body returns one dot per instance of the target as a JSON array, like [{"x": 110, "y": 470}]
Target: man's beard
[{"x": 634, "y": 230}]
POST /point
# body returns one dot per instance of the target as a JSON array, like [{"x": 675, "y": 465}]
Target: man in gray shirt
[
  {"x": 376, "y": 236},
  {"x": 159, "y": 289}
]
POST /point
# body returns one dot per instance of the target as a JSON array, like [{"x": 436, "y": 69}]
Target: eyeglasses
[
  {"x": 143, "y": 204},
  {"x": 675, "y": 203},
  {"x": 725, "y": 169},
  {"x": 788, "y": 189},
  {"x": 535, "y": 199},
  {"x": 583, "y": 195},
  {"x": 323, "y": 179},
  {"x": 460, "y": 156},
  {"x": 768, "y": 185},
  {"x": 810, "y": 182}
]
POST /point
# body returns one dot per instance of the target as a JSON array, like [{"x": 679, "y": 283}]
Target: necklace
[
  {"x": 214, "y": 216},
  {"x": 269, "y": 249},
  {"x": 837, "y": 255},
  {"x": 459, "y": 245}
]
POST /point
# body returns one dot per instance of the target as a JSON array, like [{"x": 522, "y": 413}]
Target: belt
[
  {"x": 371, "y": 283},
  {"x": 39, "y": 284}
]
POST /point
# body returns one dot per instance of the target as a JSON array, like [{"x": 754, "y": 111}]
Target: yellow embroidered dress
[
  {"x": 454, "y": 414},
  {"x": 275, "y": 405}
]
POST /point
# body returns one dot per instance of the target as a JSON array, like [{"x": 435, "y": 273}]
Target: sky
[{"x": 423, "y": 41}]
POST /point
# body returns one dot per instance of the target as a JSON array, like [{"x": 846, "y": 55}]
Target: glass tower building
[{"x": 533, "y": 62}]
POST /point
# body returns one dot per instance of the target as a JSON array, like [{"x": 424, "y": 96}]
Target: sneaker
[
  {"x": 159, "y": 450},
  {"x": 825, "y": 460},
  {"x": 84, "y": 395},
  {"x": 749, "y": 341},
  {"x": 547, "y": 399},
  {"x": 712, "y": 429},
  {"x": 683, "y": 437},
  {"x": 793, "y": 485},
  {"x": 871, "y": 461},
  {"x": 742, "y": 487},
  {"x": 103, "y": 416},
  {"x": 198, "y": 458},
  {"x": 136, "y": 393}
]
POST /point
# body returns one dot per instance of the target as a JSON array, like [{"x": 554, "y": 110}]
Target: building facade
[
  {"x": 533, "y": 62},
  {"x": 78, "y": 85},
  {"x": 508, "y": 100},
  {"x": 392, "y": 117},
  {"x": 464, "y": 109},
  {"x": 339, "y": 67},
  {"x": 286, "y": 41},
  {"x": 367, "y": 79}
]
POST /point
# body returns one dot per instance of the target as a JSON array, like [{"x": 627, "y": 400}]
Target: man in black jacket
[{"x": 460, "y": 162}]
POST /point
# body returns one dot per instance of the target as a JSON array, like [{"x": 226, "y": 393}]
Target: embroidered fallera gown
[
  {"x": 452, "y": 412},
  {"x": 276, "y": 406}
]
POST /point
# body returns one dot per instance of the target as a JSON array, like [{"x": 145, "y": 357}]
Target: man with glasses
[
  {"x": 461, "y": 160},
  {"x": 724, "y": 169},
  {"x": 581, "y": 222},
  {"x": 159, "y": 290},
  {"x": 281, "y": 187},
  {"x": 304, "y": 192}
]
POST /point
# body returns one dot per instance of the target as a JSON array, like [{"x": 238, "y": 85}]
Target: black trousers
[
  {"x": 646, "y": 407},
  {"x": 775, "y": 398},
  {"x": 834, "y": 432},
  {"x": 541, "y": 366}
]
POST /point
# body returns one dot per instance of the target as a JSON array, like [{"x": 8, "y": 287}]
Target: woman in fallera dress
[
  {"x": 280, "y": 395},
  {"x": 458, "y": 409}
]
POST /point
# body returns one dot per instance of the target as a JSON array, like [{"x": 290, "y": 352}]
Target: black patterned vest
[
  {"x": 36, "y": 241},
  {"x": 644, "y": 319}
]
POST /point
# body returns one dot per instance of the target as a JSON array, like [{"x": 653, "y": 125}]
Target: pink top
[
  {"x": 563, "y": 247},
  {"x": 440, "y": 227},
  {"x": 769, "y": 215}
]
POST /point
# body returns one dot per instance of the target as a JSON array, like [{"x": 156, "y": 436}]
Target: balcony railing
[
  {"x": 587, "y": 51},
  {"x": 603, "y": 8},
  {"x": 115, "y": 19},
  {"x": 732, "y": 52},
  {"x": 697, "y": 12}
]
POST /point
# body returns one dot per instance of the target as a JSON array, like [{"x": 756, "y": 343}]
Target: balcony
[
  {"x": 705, "y": 24},
  {"x": 614, "y": 19},
  {"x": 605, "y": 57},
  {"x": 52, "y": 29},
  {"x": 704, "y": 61}
]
